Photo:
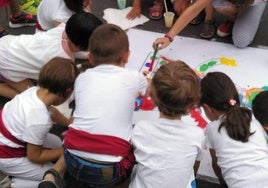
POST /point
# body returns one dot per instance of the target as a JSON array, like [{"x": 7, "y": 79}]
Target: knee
[{"x": 242, "y": 41}]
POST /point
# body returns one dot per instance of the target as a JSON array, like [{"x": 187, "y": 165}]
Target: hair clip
[{"x": 232, "y": 102}]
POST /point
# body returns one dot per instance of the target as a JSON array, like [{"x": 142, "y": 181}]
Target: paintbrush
[{"x": 153, "y": 58}]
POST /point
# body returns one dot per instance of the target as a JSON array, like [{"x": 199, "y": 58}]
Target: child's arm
[
  {"x": 59, "y": 118},
  {"x": 196, "y": 167},
  {"x": 135, "y": 11},
  {"x": 37, "y": 154},
  {"x": 216, "y": 168}
]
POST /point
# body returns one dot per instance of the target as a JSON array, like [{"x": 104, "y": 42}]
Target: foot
[
  {"x": 208, "y": 29},
  {"x": 23, "y": 20},
  {"x": 225, "y": 29},
  {"x": 51, "y": 179},
  {"x": 156, "y": 11}
]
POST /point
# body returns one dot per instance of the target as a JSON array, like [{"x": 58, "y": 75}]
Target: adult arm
[{"x": 185, "y": 18}]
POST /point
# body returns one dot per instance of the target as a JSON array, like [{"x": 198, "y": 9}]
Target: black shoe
[
  {"x": 208, "y": 29},
  {"x": 23, "y": 20}
]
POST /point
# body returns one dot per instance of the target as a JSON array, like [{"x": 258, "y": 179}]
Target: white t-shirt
[
  {"x": 50, "y": 11},
  {"x": 105, "y": 102},
  {"x": 22, "y": 57},
  {"x": 242, "y": 164},
  {"x": 165, "y": 151},
  {"x": 27, "y": 118}
]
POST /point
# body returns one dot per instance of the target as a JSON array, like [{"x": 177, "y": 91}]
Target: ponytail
[{"x": 237, "y": 122}]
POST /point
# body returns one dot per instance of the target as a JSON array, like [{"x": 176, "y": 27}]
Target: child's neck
[
  {"x": 177, "y": 117},
  {"x": 46, "y": 97}
]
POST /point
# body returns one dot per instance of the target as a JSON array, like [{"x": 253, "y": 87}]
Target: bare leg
[
  {"x": 20, "y": 86},
  {"x": 60, "y": 167},
  {"x": 7, "y": 91},
  {"x": 15, "y": 8}
]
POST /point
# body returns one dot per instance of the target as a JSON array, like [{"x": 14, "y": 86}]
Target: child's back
[
  {"x": 237, "y": 142},
  {"x": 105, "y": 97},
  {"x": 166, "y": 148},
  {"x": 53, "y": 12}
]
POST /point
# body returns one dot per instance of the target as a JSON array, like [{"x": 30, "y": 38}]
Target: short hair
[
  {"x": 108, "y": 43},
  {"x": 175, "y": 89},
  {"x": 79, "y": 28},
  {"x": 74, "y": 5},
  {"x": 58, "y": 75},
  {"x": 260, "y": 107}
]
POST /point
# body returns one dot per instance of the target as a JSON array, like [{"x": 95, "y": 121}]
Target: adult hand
[
  {"x": 161, "y": 42},
  {"x": 134, "y": 13}
]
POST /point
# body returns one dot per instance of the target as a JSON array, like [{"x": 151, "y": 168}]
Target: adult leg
[{"x": 246, "y": 25}]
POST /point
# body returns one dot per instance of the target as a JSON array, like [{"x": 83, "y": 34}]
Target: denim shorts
[{"x": 90, "y": 173}]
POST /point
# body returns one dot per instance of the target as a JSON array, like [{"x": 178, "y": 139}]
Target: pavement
[{"x": 260, "y": 41}]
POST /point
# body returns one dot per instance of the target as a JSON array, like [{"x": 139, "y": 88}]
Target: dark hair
[
  {"x": 108, "y": 43},
  {"x": 79, "y": 28},
  {"x": 260, "y": 107},
  {"x": 218, "y": 91},
  {"x": 74, "y": 5},
  {"x": 58, "y": 75},
  {"x": 175, "y": 89}
]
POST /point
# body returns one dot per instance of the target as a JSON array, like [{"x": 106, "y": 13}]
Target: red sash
[
  {"x": 101, "y": 144},
  {"x": 9, "y": 152}
]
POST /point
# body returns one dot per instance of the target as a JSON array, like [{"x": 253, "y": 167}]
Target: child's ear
[
  {"x": 91, "y": 60},
  {"x": 126, "y": 56}
]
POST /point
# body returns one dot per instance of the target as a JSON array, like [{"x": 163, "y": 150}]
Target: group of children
[{"x": 102, "y": 148}]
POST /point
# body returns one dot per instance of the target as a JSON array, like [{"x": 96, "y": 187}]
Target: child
[
  {"x": 239, "y": 13},
  {"x": 236, "y": 141},
  {"x": 51, "y": 13},
  {"x": 260, "y": 109},
  {"x": 22, "y": 57},
  {"x": 98, "y": 138},
  {"x": 25, "y": 123},
  {"x": 167, "y": 148}
]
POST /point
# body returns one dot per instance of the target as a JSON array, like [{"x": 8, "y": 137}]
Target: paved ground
[{"x": 260, "y": 41}]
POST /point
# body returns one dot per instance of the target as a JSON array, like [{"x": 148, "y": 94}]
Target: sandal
[
  {"x": 156, "y": 11},
  {"x": 208, "y": 29},
  {"x": 59, "y": 183},
  {"x": 199, "y": 18}
]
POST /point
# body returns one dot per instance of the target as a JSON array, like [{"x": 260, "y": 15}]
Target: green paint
[
  {"x": 203, "y": 68},
  {"x": 162, "y": 62}
]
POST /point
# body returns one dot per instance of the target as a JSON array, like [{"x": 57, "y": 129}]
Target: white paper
[{"x": 118, "y": 17}]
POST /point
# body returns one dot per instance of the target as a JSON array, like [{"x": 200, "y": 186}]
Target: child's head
[
  {"x": 108, "y": 44},
  {"x": 219, "y": 96},
  {"x": 260, "y": 108},
  {"x": 58, "y": 76},
  {"x": 175, "y": 89},
  {"x": 76, "y": 5},
  {"x": 79, "y": 28}
]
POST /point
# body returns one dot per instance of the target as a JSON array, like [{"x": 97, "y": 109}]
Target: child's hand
[
  {"x": 134, "y": 13},
  {"x": 161, "y": 43},
  {"x": 59, "y": 118}
]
